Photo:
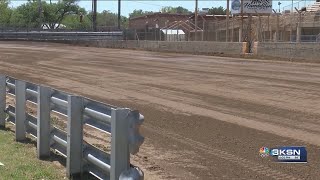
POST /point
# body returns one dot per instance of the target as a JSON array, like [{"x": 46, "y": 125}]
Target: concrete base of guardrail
[
  {"x": 307, "y": 52},
  {"x": 191, "y": 47}
]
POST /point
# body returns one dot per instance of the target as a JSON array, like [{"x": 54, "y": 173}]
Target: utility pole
[
  {"x": 298, "y": 38},
  {"x": 94, "y": 16},
  {"x": 189, "y": 30},
  {"x": 203, "y": 24},
  {"x": 40, "y": 14},
  {"x": 227, "y": 22},
  {"x": 269, "y": 29},
  {"x": 232, "y": 30},
  {"x": 241, "y": 29},
  {"x": 196, "y": 21},
  {"x": 279, "y": 3},
  {"x": 119, "y": 14},
  {"x": 277, "y": 27}
]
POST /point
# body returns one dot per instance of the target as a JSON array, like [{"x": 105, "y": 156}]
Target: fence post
[
  {"x": 43, "y": 122},
  {"x": 2, "y": 101},
  {"x": 135, "y": 138},
  {"x": 20, "y": 92},
  {"x": 74, "y": 136},
  {"x": 120, "y": 156}
]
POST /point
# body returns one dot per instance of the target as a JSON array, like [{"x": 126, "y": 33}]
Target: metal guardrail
[
  {"x": 43, "y": 35},
  {"x": 122, "y": 123}
]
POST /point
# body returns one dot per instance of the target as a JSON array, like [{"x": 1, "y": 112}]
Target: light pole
[
  {"x": 40, "y": 14},
  {"x": 298, "y": 38},
  {"x": 94, "y": 16},
  {"x": 189, "y": 29},
  {"x": 119, "y": 14},
  {"x": 203, "y": 24},
  {"x": 196, "y": 20},
  {"x": 227, "y": 22},
  {"x": 241, "y": 29},
  {"x": 166, "y": 24},
  {"x": 279, "y": 3},
  {"x": 277, "y": 27},
  {"x": 145, "y": 31}
]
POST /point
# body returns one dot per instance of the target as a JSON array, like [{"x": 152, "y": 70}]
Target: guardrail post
[
  {"x": 20, "y": 92},
  {"x": 74, "y": 136},
  {"x": 120, "y": 156},
  {"x": 135, "y": 138},
  {"x": 2, "y": 101},
  {"x": 43, "y": 122}
]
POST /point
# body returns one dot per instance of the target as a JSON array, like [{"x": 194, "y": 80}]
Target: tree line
[
  {"x": 178, "y": 10},
  {"x": 68, "y": 14}
]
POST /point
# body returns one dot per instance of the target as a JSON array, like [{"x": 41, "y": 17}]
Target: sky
[{"x": 127, "y": 6}]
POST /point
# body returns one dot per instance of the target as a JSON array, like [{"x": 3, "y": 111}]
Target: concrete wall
[
  {"x": 278, "y": 51},
  {"x": 206, "y": 48},
  {"x": 288, "y": 51}
]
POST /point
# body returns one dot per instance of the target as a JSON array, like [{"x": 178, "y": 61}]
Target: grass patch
[{"x": 20, "y": 161}]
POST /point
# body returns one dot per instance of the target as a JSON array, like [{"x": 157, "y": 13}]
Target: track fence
[
  {"x": 121, "y": 123},
  {"x": 44, "y": 35}
]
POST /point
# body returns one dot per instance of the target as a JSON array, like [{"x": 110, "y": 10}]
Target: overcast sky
[{"x": 130, "y": 5}]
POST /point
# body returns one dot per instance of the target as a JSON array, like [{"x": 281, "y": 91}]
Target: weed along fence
[{"x": 122, "y": 123}]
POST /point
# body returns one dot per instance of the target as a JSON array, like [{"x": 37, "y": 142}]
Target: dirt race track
[{"x": 205, "y": 117}]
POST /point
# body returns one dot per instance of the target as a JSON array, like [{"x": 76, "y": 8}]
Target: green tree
[
  {"x": 27, "y": 15},
  {"x": 178, "y": 10},
  {"x": 72, "y": 21},
  {"x": 54, "y": 13},
  {"x": 217, "y": 11},
  {"x": 5, "y": 13},
  {"x": 107, "y": 20},
  {"x": 139, "y": 12}
]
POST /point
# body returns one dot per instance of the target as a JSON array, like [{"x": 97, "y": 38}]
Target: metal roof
[{"x": 172, "y": 31}]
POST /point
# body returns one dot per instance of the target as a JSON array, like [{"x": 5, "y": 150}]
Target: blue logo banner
[{"x": 289, "y": 154}]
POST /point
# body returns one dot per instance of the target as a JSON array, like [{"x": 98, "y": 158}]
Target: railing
[
  {"x": 44, "y": 35},
  {"x": 123, "y": 124}
]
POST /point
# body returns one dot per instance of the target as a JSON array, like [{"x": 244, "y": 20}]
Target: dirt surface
[{"x": 205, "y": 117}]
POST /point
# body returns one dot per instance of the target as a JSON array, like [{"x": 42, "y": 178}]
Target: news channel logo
[{"x": 285, "y": 154}]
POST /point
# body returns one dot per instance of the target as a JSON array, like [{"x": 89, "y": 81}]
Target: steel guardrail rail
[
  {"x": 122, "y": 123},
  {"x": 43, "y": 35}
]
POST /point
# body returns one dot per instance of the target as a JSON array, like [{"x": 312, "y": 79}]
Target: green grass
[{"x": 20, "y": 161}]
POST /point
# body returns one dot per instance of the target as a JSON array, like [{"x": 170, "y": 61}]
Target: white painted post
[
  {"x": 120, "y": 156},
  {"x": 20, "y": 92},
  {"x": 75, "y": 136},
  {"x": 43, "y": 122},
  {"x": 2, "y": 101}
]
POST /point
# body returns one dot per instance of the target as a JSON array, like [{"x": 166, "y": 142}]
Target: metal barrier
[
  {"x": 43, "y": 35},
  {"x": 122, "y": 123}
]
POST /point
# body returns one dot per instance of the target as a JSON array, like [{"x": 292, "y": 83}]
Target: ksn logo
[{"x": 285, "y": 154}]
